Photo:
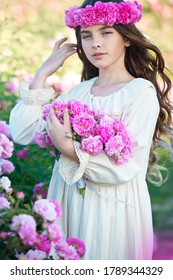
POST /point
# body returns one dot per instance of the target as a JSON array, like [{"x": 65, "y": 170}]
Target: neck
[{"x": 113, "y": 76}]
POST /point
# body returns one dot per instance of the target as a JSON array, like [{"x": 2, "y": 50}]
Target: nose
[{"x": 96, "y": 42}]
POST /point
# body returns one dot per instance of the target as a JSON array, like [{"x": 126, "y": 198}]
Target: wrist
[
  {"x": 69, "y": 151},
  {"x": 39, "y": 80}
]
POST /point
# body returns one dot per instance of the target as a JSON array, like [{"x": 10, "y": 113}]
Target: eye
[
  {"x": 107, "y": 32},
  {"x": 85, "y": 36}
]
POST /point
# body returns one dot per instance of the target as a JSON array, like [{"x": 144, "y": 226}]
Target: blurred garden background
[{"x": 28, "y": 31}]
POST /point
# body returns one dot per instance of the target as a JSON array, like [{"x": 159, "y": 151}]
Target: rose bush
[{"x": 29, "y": 228}]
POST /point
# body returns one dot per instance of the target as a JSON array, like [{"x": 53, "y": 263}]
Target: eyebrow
[{"x": 100, "y": 29}]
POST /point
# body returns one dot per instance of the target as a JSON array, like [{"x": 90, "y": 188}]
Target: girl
[{"x": 120, "y": 76}]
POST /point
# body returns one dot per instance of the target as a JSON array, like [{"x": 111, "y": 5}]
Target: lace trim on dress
[
  {"x": 35, "y": 96},
  {"x": 69, "y": 170}
]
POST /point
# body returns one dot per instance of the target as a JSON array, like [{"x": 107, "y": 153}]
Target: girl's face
[{"x": 103, "y": 46}]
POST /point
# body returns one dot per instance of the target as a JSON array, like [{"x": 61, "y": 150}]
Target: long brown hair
[{"x": 144, "y": 60}]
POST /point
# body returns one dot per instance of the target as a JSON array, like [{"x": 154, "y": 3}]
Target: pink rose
[
  {"x": 92, "y": 145},
  {"x": 45, "y": 209},
  {"x": 39, "y": 190},
  {"x": 59, "y": 108},
  {"x": 6, "y": 146},
  {"x": 75, "y": 107},
  {"x": 114, "y": 146},
  {"x": 23, "y": 153},
  {"x": 78, "y": 244},
  {"x": 43, "y": 244},
  {"x": 22, "y": 219},
  {"x": 65, "y": 251},
  {"x": 3, "y": 234},
  {"x": 84, "y": 124},
  {"x": 48, "y": 140},
  {"x": 32, "y": 255},
  {"x": 12, "y": 85},
  {"x": 6, "y": 166},
  {"x": 54, "y": 232},
  {"x": 46, "y": 111},
  {"x": 57, "y": 208},
  {"x": 4, "y": 203},
  {"x": 4, "y": 129},
  {"x": 105, "y": 132},
  {"x": 20, "y": 195},
  {"x": 39, "y": 139},
  {"x": 28, "y": 234}
]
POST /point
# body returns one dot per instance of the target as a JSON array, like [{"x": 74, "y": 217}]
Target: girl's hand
[
  {"x": 59, "y": 54},
  {"x": 59, "y": 135}
]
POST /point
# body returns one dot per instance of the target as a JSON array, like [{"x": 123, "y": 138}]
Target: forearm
[
  {"x": 59, "y": 54},
  {"x": 39, "y": 80},
  {"x": 69, "y": 152}
]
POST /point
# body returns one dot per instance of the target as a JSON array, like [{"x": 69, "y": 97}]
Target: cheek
[{"x": 85, "y": 47}]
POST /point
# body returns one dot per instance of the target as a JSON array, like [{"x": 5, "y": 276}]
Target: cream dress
[{"x": 114, "y": 218}]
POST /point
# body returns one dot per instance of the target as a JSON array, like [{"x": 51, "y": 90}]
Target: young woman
[{"x": 120, "y": 76}]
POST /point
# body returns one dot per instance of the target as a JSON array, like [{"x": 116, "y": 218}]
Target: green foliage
[{"x": 161, "y": 198}]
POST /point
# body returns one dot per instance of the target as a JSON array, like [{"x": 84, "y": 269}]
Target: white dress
[{"x": 114, "y": 218}]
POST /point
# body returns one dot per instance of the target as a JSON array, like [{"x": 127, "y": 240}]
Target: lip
[{"x": 98, "y": 54}]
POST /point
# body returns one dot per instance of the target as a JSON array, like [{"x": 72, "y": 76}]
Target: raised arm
[{"x": 25, "y": 118}]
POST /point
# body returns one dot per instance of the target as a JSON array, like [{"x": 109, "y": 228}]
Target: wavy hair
[{"x": 142, "y": 59}]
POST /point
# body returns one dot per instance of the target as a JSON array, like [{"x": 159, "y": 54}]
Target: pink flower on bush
[
  {"x": 32, "y": 255},
  {"x": 28, "y": 234},
  {"x": 54, "y": 232},
  {"x": 65, "y": 251},
  {"x": 6, "y": 146},
  {"x": 12, "y": 85},
  {"x": 92, "y": 145},
  {"x": 6, "y": 166},
  {"x": 4, "y": 203},
  {"x": 23, "y": 153},
  {"x": 25, "y": 226},
  {"x": 3, "y": 234},
  {"x": 43, "y": 244},
  {"x": 46, "y": 209},
  {"x": 4, "y": 129},
  {"x": 78, "y": 244},
  {"x": 20, "y": 195},
  {"x": 22, "y": 219},
  {"x": 57, "y": 208},
  {"x": 37, "y": 190}
]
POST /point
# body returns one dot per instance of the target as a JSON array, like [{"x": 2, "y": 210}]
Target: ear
[{"x": 127, "y": 43}]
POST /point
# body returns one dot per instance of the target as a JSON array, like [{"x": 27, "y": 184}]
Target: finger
[
  {"x": 67, "y": 126},
  {"x": 59, "y": 43},
  {"x": 69, "y": 53},
  {"x": 52, "y": 118}
]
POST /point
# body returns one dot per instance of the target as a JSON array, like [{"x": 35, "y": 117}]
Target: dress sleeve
[
  {"x": 140, "y": 119},
  {"x": 26, "y": 116}
]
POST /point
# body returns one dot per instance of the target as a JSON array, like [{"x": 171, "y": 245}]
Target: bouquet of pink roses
[{"x": 96, "y": 131}]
